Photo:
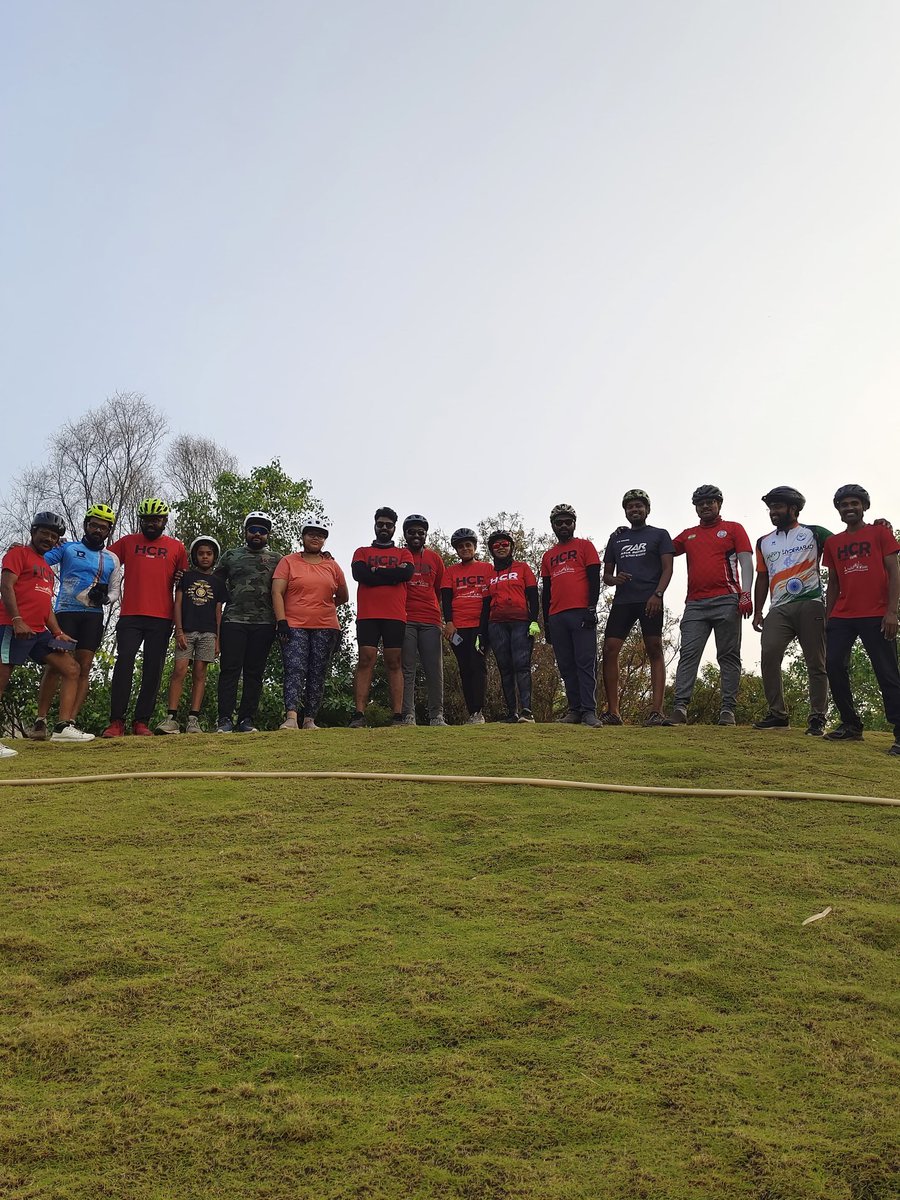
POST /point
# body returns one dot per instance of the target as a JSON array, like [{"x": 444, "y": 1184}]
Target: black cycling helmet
[
  {"x": 498, "y": 536},
  {"x": 636, "y": 494},
  {"x": 49, "y": 520},
  {"x": 463, "y": 535},
  {"x": 852, "y": 489},
  {"x": 785, "y": 495},
  {"x": 707, "y": 491},
  {"x": 414, "y": 519}
]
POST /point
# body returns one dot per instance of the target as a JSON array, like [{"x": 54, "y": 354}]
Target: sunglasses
[{"x": 257, "y": 529}]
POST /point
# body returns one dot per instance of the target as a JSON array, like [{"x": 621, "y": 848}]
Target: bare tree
[{"x": 193, "y": 464}]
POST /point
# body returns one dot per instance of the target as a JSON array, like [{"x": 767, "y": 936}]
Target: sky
[{"x": 468, "y": 257}]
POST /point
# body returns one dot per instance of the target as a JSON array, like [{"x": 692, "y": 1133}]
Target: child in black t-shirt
[{"x": 199, "y": 596}]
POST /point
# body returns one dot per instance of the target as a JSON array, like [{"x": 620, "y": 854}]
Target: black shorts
[
  {"x": 622, "y": 619},
  {"x": 372, "y": 630},
  {"x": 86, "y": 628}
]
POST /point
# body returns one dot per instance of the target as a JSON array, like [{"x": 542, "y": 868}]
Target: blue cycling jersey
[{"x": 80, "y": 568}]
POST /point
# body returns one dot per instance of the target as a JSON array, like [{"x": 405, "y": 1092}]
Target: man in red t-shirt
[
  {"x": 382, "y": 571},
  {"x": 28, "y": 625},
  {"x": 151, "y": 563},
  {"x": 570, "y": 589},
  {"x": 861, "y": 602},
  {"x": 422, "y": 637},
  {"x": 717, "y": 599},
  {"x": 509, "y": 624},
  {"x": 464, "y": 587}
]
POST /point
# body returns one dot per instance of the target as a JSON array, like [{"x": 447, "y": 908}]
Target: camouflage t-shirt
[{"x": 248, "y": 576}]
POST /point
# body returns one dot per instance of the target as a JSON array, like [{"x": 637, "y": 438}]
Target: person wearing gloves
[
  {"x": 248, "y": 623},
  {"x": 422, "y": 637},
  {"x": 463, "y": 590},
  {"x": 509, "y": 624},
  {"x": 306, "y": 590},
  {"x": 720, "y": 576},
  {"x": 570, "y": 589}
]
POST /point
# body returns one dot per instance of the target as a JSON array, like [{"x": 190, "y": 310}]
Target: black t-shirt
[
  {"x": 637, "y": 553},
  {"x": 200, "y": 591}
]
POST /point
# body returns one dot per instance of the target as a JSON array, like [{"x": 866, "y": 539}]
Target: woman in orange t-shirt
[{"x": 306, "y": 590}]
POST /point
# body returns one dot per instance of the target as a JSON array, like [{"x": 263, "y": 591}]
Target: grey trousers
[
  {"x": 576, "y": 656},
  {"x": 423, "y": 642},
  {"x": 805, "y": 621},
  {"x": 720, "y": 617}
]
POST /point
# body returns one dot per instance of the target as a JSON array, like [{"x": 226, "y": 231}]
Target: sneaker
[
  {"x": 193, "y": 725},
  {"x": 225, "y": 725},
  {"x": 726, "y": 717},
  {"x": 358, "y": 720},
  {"x": 169, "y": 725},
  {"x": 895, "y": 750},
  {"x": 570, "y": 717},
  {"x": 38, "y": 731},
  {"x": 658, "y": 720},
  {"x": 608, "y": 718},
  {"x": 679, "y": 715},
  {"x": 139, "y": 729},
  {"x": 69, "y": 733},
  {"x": 289, "y": 723},
  {"x": 437, "y": 722},
  {"x": 309, "y": 723},
  {"x": 845, "y": 733},
  {"x": 407, "y": 719},
  {"x": 511, "y": 719},
  {"x": 526, "y": 717},
  {"x": 399, "y": 719},
  {"x": 245, "y": 725},
  {"x": 7, "y": 751},
  {"x": 816, "y": 726},
  {"x": 592, "y": 720},
  {"x": 476, "y": 719},
  {"x": 114, "y": 729},
  {"x": 772, "y": 722}
]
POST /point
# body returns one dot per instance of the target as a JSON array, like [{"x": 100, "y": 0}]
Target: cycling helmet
[
  {"x": 852, "y": 489},
  {"x": 785, "y": 495},
  {"x": 204, "y": 540},
  {"x": 497, "y": 536},
  {"x": 102, "y": 512},
  {"x": 152, "y": 507},
  {"x": 562, "y": 510},
  {"x": 49, "y": 520},
  {"x": 414, "y": 519},
  {"x": 707, "y": 491},
  {"x": 636, "y": 494},
  {"x": 463, "y": 535},
  {"x": 314, "y": 527},
  {"x": 258, "y": 518}
]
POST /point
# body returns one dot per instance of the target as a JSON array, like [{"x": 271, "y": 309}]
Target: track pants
[
  {"x": 423, "y": 643},
  {"x": 306, "y": 658},
  {"x": 805, "y": 621},
  {"x": 472, "y": 669},
  {"x": 511, "y": 645},
  {"x": 576, "y": 657},
  {"x": 244, "y": 651},
  {"x": 720, "y": 617},
  {"x": 153, "y": 633},
  {"x": 840, "y": 635}
]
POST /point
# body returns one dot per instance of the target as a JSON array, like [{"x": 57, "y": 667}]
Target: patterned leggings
[{"x": 306, "y": 658}]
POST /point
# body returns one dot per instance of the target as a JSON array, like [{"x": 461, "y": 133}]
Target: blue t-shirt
[
  {"x": 637, "y": 553},
  {"x": 80, "y": 568}
]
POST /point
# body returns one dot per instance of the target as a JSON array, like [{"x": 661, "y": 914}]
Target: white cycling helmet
[{"x": 258, "y": 518}]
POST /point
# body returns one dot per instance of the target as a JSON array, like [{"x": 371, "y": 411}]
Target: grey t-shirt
[{"x": 637, "y": 553}]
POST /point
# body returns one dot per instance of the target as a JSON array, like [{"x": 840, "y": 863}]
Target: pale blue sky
[{"x": 465, "y": 257}]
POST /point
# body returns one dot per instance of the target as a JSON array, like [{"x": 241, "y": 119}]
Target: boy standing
[{"x": 199, "y": 596}]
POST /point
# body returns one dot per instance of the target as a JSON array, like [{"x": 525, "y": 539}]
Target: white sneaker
[
  {"x": 476, "y": 719},
  {"x": 193, "y": 725},
  {"x": 437, "y": 721},
  {"x": 169, "y": 725},
  {"x": 409, "y": 719},
  {"x": 309, "y": 723},
  {"x": 289, "y": 723},
  {"x": 7, "y": 751},
  {"x": 70, "y": 734}
]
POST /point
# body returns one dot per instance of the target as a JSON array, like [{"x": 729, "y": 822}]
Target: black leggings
[
  {"x": 245, "y": 650},
  {"x": 153, "y": 634},
  {"x": 472, "y": 669}
]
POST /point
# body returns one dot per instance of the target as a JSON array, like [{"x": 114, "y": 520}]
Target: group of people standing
[{"x": 234, "y": 605}]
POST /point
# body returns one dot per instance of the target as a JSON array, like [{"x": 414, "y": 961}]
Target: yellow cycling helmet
[
  {"x": 102, "y": 512},
  {"x": 153, "y": 508}
]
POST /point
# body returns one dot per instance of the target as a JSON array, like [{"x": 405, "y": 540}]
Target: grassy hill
[{"x": 287, "y": 989}]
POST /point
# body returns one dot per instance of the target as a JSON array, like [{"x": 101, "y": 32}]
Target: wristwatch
[{"x": 658, "y": 594}]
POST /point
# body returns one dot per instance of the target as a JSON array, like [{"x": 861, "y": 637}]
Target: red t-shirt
[
  {"x": 423, "y": 603},
  {"x": 565, "y": 565},
  {"x": 386, "y": 603},
  {"x": 506, "y": 589},
  {"x": 150, "y": 566},
  {"x": 468, "y": 583},
  {"x": 857, "y": 560},
  {"x": 712, "y": 561},
  {"x": 33, "y": 589}
]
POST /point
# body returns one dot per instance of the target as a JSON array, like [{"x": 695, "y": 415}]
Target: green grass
[{"x": 290, "y": 990}]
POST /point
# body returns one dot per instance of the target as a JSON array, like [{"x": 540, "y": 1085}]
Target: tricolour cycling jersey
[
  {"x": 790, "y": 558},
  {"x": 80, "y": 568}
]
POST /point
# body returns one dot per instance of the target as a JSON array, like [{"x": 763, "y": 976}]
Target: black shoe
[
  {"x": 358, "y": 720},
  {"x": 608, "y": 718},
  {"x": 845, "y": 733},
  {"x": 772, "y": 722},
  {"x": 245, "y": 725},
  {"x": 816, "y": 727},
  {"x": 526, "y": 717},
  {"x": 895, "y": 750},
  {"x": 399, "y": 719},
  {"x": 225, "y": 725},
  {"x": 511, "y": 719}
]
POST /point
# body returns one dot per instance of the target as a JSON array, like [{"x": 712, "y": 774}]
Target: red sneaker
[
  {"x": 139, "y": 729},
  {"x": 114, "y": 729}
]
